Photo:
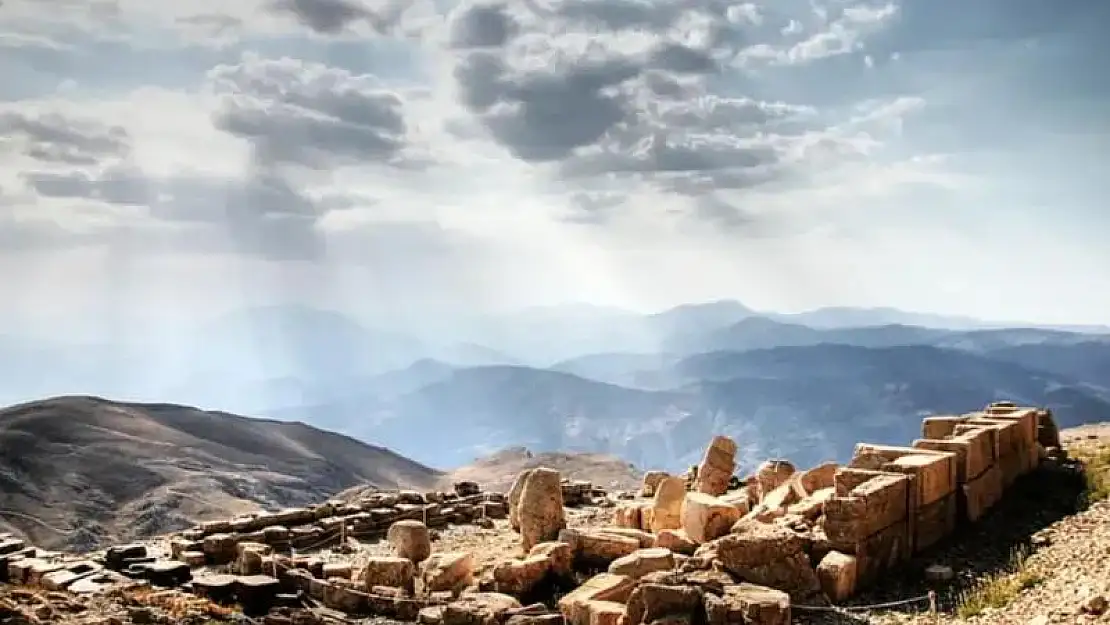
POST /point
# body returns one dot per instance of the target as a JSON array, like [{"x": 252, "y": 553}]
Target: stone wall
[{"x": 706, "y": 546}]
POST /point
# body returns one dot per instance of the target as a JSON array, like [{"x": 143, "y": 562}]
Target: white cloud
[{"x": 622, "y": 151}]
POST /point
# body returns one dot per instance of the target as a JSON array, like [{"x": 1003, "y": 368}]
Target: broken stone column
[
  {"x": 514, "y": 498},
  {"x": 666, "y": 510},
  {"x": 541, "y": 507},
  {"x": 715, "y": 470}
]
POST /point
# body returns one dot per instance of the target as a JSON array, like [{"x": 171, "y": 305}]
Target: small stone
[{"x": 1095, "y": 604}]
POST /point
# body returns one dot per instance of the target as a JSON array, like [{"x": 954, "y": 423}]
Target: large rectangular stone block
[
  {"x": 847, "y": 478},
  {"x": 1026, "y": 440},
  {"x": 879, "y": 552},
  {"x": 870, "y": 507},
  {"x": 934, "y": 522},
  {"x": 934, "y": 474},
  {"x": 981, "y": 494},
  {"x": 938, "y": 427},
  {"x": 974, "y": 450}
]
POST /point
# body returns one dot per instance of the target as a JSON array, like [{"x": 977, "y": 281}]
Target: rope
[{"x": 862, "y": 608}]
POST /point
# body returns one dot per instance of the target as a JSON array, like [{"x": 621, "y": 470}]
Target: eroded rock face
[
  {"x": 515, "y": 492},
  {"x": 540, "y": 509},
  {"x": 410, "y": 539},
  {"x": 772, "y": 474},
  {"x": 388, "y": 571},
  {"x": 705, "y": 517},
  {"x": 447, "y": 572},
  {"x": 715, "y": 471},
  {"x": 767, "y": 555},
  {"x": 666, "y": 509}
]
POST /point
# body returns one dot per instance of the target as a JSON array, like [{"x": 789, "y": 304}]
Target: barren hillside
[
  {"x": 496, "y": 472},
  {"x": 78, "y": 472}
]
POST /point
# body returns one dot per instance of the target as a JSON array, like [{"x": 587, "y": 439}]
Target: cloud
[
  {"x": 306, "y": 113},
  {"x": 53, "y": 138}
]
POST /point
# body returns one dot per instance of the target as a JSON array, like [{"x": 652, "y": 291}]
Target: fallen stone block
[
  {"x": 483, "y": 608},
  {"x": 676, "y": 541},
  {"x": 749, "y": 604},
  {"x": 256, "y": 593},
  {"x": 838, "y": 574},
  {"x": 596, "y": 549},
  {"x": 389, "y": 571},
  {"x": 447, "y": 572},
  {"x": 642, "y": 562},
  {"x": 705, "y": 517},
  {"x": 602, "y": 587},
  {"x": 652, "y": 602},
  {"x": 767, "y": 555},
  {"x": 215, "y": 588}
]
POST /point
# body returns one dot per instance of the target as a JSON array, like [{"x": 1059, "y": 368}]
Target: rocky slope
[
  {"x": 79, "y": 472},
  {"x": 496, "y": 472}
]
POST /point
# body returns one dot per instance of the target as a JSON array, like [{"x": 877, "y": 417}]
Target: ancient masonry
[{"x": 700, "y": 548}]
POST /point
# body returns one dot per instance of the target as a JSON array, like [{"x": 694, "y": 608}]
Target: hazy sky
[{"x": 161, "y": 159}]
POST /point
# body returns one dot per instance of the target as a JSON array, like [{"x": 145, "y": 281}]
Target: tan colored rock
[
  {"x": 411, "y": 540},
  {"x": 603, "y": 587},
  {"x": 447, "y": 572},
  {"x": 653, "y": 601},
  {"x": 838, "y": 573},
  {"x": 596, "y": 548},
  {"x": 647, "y": 539},
  {"x": 651, "y": 482},
  {"x": 716, "y": 468},
  {"x": 341, "y": 570},
  {"x": 480, "y": 608},
  {"x": 604, "y": 612},
  {"x": 540, "y": 510},
  {"x": 771, "y": 474},
  {"x": 705, "y": 517},
  {"x": 388, "y": 571},
  {"x": 519, "y": 577},
  {"x": 666, "y": 511},
  {"x": 514, "y": 498},
  {"x": 819, "y": 477},
  {"x": 676, "y": 541},
  {"x": 767, "y": 555},
  {"x": 751, "y": 604},
  {"x": 643, "y": 561},
  {"x": 560, "y": 555}
]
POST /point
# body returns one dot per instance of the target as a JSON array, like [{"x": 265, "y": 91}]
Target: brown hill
[
  {"x": 496, "y": 472},
  {"x": 79, "y": 472}
]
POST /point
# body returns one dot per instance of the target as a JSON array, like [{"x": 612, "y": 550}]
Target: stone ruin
[{"x": 705, "y": 547}]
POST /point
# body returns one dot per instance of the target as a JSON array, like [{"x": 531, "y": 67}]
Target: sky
[{"x": 164, "y": 161}]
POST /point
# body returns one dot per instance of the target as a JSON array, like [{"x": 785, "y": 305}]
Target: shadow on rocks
[{"x": 1035, "y": 501}]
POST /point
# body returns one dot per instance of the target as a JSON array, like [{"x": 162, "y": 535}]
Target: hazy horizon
[{"x": 166, "y": 162}]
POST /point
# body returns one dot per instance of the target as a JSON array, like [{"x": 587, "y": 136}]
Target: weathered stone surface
[
  {"x": 676, "y": 541},
  {"x": 771, "y": 474},
  {"x": 934, "y": 522},
  {"x": 934, "y": 474},
  {"x": 481, "y": 608},
  {"x": 651, "y": 481},
  {"x": 652, "y": 601},
  {"x": 666, "y": 510},
  {"x": 752, "y": 605},
  {"x": 981, "y": 494},
  {"x": 389, "y": 571},
  {"x": 411, "y": 540},
  {"x": 838, "y": 573},
  {"x": 767, "y": 555},
  {"x": 219, "y": 548},
  {"x": 520, "y": 577},
  {"x": 717, "y": 466},
  {"x": 596, "y": 548},
  {"x": 540, "y": 510},
  {"x": 560, "y": 556},
  {"x": 604, "y": 612},
  {"x": 642, "y": 562},
  {"x": 646, "y": 539},
  {"x": 451, "y": 571},
  {"x": 870, "y": 507},
  {"x": 602, "y": 587},
  {"x": 705, "y": 517},
  {"x": 514, "y": 497}
]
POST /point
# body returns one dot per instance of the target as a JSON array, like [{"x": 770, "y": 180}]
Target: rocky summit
[{"x": 829, "y": 543}]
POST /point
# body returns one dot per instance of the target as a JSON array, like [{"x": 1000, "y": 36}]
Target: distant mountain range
[{"x": 650, "y": 388}]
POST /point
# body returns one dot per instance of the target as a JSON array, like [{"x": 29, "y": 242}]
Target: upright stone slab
[{"x": 717, "y": 466}]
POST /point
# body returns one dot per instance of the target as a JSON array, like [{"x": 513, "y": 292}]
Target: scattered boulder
[
  {"x": 481, "y": 608},
  {"x": 514, "y": 498},
  {"x": 771, "y": 474},
  {"x": 411, "y": 540},
  {"x": 715, "y": 471},
  {"x": 677, "y": 541},
  {"x": 705, "y": 517},
  {"x": 643, "y": 561},
  {"x": 447, "y": 572},
  {"x": 540, "y": 510},
  {"x": 666, "y": 509},
  {"x": 766, "y": 555},
  {"x": 391, "y": 571},
  {"x": 651, "y": 481}
]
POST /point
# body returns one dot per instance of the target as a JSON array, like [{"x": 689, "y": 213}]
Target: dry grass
[
  {"x": 1096, "y": 471},
  {"x": 998, "y": 589}
]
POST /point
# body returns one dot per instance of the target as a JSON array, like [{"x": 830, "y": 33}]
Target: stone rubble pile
[{"x": 705, "y": 547}]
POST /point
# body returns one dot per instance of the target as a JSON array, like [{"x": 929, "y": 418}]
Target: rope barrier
[{"x": 863, "y": 608}]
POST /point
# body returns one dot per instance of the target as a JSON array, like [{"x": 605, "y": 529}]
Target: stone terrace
[{"x": 701, "y": 548}]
